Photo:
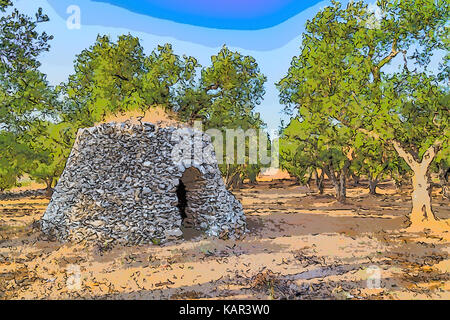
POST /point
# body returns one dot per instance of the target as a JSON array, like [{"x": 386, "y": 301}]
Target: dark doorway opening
[
  {"x": 190, "y": 194},
  {"x": 182, "y": 200}
]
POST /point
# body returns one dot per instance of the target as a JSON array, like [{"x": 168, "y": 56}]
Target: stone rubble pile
[{"x": 120, "y": 184}]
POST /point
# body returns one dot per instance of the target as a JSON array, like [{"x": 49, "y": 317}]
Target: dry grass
[
  {"x": 156, "y": 114},
  {"x": 301, "y": 246}
]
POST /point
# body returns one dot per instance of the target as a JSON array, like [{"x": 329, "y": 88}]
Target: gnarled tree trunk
[
  {"x": 339, "y": 179},
  {"x": 443, "y": 181},
  {"x": 421, "y": 196},
  {"x": 48, "y": 188},
  {"x": 235, "y": 182},
  {"x": 373, "y": 182},
  {"x": 308, "y": 181},
  {"x": 341, "y": 191},
  {"x": 356, "y": 179},
  {"x": 319, "y": 181}
]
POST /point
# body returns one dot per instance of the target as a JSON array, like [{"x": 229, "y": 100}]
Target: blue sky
[{"x": 273, "y": 37}]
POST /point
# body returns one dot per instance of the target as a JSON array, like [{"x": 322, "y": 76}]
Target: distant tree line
[
  {"x": 39, "y": 122},
  {"x": 362, "y": 98},
  {"x": 352, "y": 115}
]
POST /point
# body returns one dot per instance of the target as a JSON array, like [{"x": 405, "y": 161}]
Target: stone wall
[{"x": 120, "y": 184}]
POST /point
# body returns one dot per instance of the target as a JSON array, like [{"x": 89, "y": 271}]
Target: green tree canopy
[
  {"x": 229, "y": 90},
  {"x": 112, "y": 77},
  {"x": 343, "y": 68},
  {"x": 25, "y": 96}
]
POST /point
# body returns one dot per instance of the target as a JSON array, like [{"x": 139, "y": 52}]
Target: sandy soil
[{"x": 301, "y": 246}]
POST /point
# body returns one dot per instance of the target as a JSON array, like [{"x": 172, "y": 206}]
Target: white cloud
[{"x": 374, "y": 21}]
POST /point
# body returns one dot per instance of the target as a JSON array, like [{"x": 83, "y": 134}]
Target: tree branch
[
  {"x": 404, "y": 154},
  {"x": 431, "y": 152},
  {"x": 392, "y": 55},
  {"x": 212, "y": 87},
  {"x": 121, "y": 77},
  {"x": 370, "y": 133}
]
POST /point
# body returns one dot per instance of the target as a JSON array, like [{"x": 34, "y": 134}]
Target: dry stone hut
[{"x": 135, "y": 183}]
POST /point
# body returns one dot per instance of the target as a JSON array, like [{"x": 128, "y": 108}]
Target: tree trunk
[
  {"x": 373, "y": 182},
  {"x": 342, "y": 191},
  {"x": 373, "y": 187},
  {"x": 48, "y": 188},
  {"x": 235, "y": 181},
  {"x": 308, "y": 181},
  {"x": 356, "y": 179},
  {"x": 319, "y": 181},
  {"x": 421, "y": 195},
  {"x": 443, "y": 181},
  {"x": 339, "y": 181}
]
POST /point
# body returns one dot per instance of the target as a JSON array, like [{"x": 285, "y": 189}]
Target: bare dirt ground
[{"x": 301, "y": 246}]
